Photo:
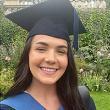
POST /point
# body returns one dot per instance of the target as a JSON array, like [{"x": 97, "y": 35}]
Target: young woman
[{"x": 46, "y": 77}]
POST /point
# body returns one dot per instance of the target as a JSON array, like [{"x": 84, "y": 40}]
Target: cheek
[
  {"x": 64, "y": 62},
  {"x": 32, "y": 59}
]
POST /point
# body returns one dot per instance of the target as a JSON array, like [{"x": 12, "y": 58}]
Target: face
[{"x": 47, "y": 59}]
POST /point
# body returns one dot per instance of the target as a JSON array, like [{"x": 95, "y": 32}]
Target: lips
[{"x": 48, "y": 70}]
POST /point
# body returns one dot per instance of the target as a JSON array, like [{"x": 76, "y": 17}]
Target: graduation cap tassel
[
  {"x": 75, "y": 42},
  {"x": 75, "y": 30}
]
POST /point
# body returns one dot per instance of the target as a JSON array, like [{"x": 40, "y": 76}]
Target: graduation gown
[
  {"x": 25, "y": 101},
  {"x": 22, "y": 101}
]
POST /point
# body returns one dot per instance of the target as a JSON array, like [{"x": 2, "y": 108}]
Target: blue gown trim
[{"x": 24, "y": 101}]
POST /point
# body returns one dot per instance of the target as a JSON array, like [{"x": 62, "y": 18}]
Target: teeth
[{"x": 49, "y": 69}]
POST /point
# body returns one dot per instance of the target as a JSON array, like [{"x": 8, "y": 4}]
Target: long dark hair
[{"x": 67, "y": 85}]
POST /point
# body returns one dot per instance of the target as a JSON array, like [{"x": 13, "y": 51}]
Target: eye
[
  {"x": 62, "y": 52},
  {"x": 41, "y": 50}
]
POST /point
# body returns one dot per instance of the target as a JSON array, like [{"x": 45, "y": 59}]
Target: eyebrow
[
  {"x": 45, "y": 44},
  {"x": 41, "y": 43}
]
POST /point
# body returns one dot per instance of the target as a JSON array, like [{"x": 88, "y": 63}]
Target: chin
[{"x": 49, "y": 82}]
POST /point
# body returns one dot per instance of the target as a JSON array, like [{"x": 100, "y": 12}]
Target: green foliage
[
  {"x": 94, "y": 82},
  {"x": 12, "y": 39},
  {"x": 108, "y": 3},
  {"x": 97, "y": 23},
  {"x": 6, "y": 79},
  {"x": 95, "y": 49}
]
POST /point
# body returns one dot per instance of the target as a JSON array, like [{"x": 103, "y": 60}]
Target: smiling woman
[{"x": 46, "y": 76}]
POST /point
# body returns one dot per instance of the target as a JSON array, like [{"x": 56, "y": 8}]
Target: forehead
[{"x": 49, "y": 40}]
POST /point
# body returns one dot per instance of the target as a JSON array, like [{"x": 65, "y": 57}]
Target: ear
[{"x": 86, "y": 98}]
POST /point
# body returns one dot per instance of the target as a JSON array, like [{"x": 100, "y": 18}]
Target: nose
[{"x": 50, "y": 58}]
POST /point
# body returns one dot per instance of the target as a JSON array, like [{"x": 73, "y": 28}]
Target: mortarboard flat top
[{"x": 56, "y": 18}]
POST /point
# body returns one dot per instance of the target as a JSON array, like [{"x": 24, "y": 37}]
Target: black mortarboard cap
[{"x": 57, "y": 18}]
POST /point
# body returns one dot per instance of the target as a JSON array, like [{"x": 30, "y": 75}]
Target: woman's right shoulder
[
  {"x": 5, "y": 107},
  {"x": 6, "y": 104},
  {"x": 11, "y": 103}
]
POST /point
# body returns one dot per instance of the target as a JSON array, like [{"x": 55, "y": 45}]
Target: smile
[{"x": 48, "y": 70}]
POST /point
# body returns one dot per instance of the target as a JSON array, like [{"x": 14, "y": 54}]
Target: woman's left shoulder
[{"x": 87, "y": 99}]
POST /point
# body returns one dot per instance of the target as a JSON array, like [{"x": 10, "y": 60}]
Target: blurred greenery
[
  {"x": 12, "y": 39},
  {"x": 6, "y": 79},
  {"x": 93, "y": 57}
]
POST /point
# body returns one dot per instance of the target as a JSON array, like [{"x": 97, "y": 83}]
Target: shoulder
[
  {"x": 14, "y": 101},
  {"x": 22, "y": 101},
  {"x": 87, "y": 99},
  {"x": 84, "y": 92},
  {"x": 5, "y": 107}
]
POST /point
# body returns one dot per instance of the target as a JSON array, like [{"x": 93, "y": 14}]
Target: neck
[
  {"x": 37, "y": 89},
  {"x": 46, "y": 95}
]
